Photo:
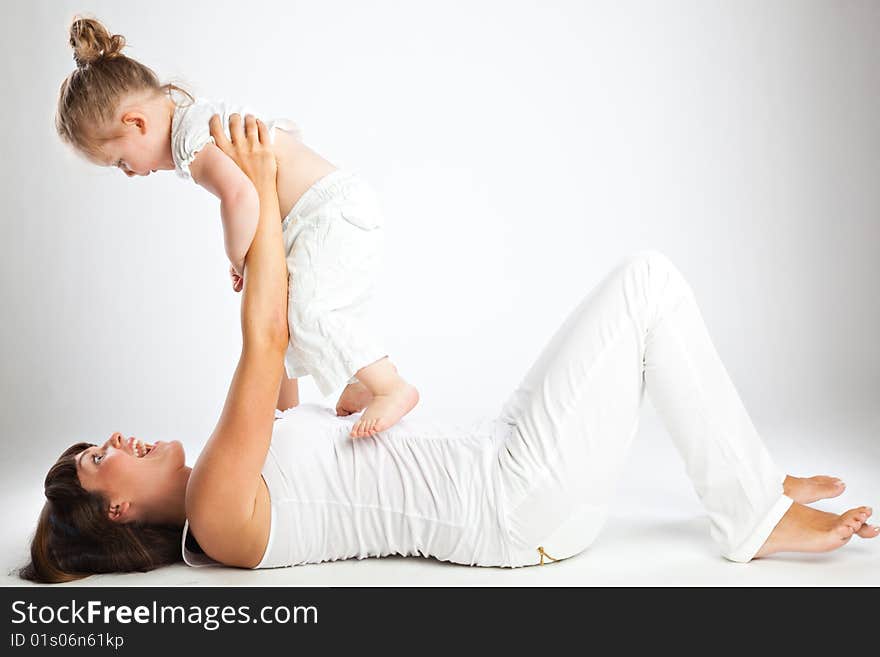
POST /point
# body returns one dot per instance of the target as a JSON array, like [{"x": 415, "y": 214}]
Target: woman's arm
[
  {"x": 223, "y": 489},
  {"x": 239, "y": 202}
]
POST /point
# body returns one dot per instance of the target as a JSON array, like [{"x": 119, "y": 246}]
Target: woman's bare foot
[
  {"x": 807, "y": 490},
  {"x": 804, "y": 529},
  {"x": 386, "y": 409},
  {"x": 353, "y": 399}
]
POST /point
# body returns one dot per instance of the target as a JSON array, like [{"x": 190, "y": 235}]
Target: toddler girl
[{"x": 113, "y": 110}]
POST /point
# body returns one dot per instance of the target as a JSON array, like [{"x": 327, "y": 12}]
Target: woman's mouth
[
  {"x": 153, "y": 448},
  {"x": 139, "y": 448}
]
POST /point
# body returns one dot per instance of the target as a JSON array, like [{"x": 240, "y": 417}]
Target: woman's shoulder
[{"x": 213, "y": 535}]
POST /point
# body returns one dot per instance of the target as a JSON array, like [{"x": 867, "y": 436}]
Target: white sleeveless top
[
  {"x": 414, "y": 489},
  {"x": 190, "y": 132}
]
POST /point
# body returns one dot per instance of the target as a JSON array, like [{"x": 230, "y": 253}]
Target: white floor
[{"x": 657, "y": 535}]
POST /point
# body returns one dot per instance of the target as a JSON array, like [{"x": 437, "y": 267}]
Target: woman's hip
[{"x": 544, "y": 529}]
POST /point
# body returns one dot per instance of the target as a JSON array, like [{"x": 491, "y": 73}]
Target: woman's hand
[{"x": 249, "y": 149}]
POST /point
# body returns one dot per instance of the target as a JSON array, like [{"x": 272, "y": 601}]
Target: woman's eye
[{"x": 97, "y": 458}]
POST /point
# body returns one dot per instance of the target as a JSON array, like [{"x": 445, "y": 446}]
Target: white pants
[
  {"x": 577, "y": 410},
  {"x": 333, "y": 241}
]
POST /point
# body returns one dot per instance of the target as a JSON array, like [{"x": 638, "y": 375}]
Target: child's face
[
  {"x": 139, "y": 142},
  {"x": 133, "y": 154}
]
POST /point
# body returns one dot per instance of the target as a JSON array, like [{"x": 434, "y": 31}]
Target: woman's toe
[
  {"x": 844, "y": 532},
  {"x": 858, "y": 517},
  {"x": 868, "y": 531}
]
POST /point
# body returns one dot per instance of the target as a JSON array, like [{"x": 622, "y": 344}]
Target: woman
[{"x": 529, "y": 486}]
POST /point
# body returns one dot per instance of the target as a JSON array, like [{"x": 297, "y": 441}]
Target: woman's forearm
[{"x": 264, "y": 303}]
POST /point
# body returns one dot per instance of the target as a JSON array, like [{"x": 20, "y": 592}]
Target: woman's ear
[{"x": 119, "y": 512}]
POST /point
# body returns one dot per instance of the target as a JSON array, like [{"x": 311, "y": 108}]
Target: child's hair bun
[{"x": 91, "y": 41}]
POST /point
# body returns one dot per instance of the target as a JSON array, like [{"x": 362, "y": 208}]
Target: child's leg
[
  {"x": 332, "y": 263},
  {"x": 334, "y": 250},
  {"x": 354, "y": 398},
  {"x": 392, "y": 398}
]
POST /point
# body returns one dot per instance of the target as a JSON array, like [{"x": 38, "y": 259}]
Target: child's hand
[{"x": 237, "y": 280}]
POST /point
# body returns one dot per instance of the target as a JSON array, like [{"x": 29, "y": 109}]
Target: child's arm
[{"x": 239, "y": 204}]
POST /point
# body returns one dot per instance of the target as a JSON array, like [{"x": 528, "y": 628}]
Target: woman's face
[{"x": 137, "y": 483}]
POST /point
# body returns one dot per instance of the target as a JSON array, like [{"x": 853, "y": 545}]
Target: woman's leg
[{"x": 577, "y": 409}]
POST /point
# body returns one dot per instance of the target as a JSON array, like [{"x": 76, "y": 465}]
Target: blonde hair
[{"x": 90, "y": 95}]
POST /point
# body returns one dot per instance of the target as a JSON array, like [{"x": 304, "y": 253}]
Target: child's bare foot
[
  {"x": 811, "y": 489},
  {"x": 392, "y": 398},
  {"x": 353, "y": 399},
  {"x": 386, "y": 409},
  {"x": 804, "y": 529}
]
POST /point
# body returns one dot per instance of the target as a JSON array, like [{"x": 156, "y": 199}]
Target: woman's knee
[
  {"x": 661, "y": 283},
  {"x": 655, "y": 266},
  {"x": 648, "y": 259}
]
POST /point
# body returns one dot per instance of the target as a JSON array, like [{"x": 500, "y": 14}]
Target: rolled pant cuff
[{"x": 747, "y": 549}]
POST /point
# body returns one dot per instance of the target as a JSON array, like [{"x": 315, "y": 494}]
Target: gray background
[{"x": 520, "y": 149}]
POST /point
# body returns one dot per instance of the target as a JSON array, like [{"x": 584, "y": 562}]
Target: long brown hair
[
  {"x": 75, "y": 537},
  {"x": 90, "y": 95}
]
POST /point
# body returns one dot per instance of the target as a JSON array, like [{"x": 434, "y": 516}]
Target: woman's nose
[{"x": 115, "y": 440}]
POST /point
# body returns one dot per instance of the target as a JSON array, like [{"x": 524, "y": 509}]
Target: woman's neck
[{"x": 172, "y": 510}]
